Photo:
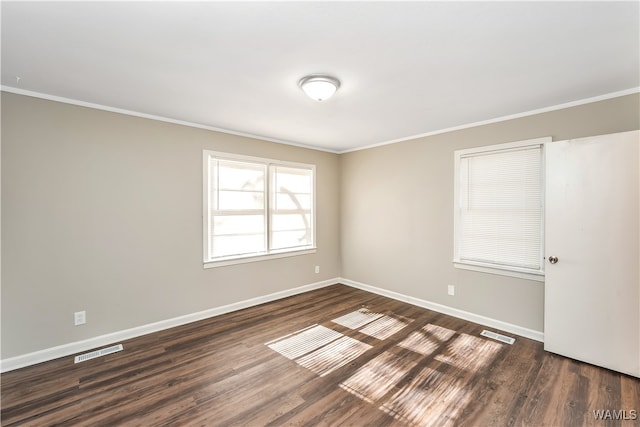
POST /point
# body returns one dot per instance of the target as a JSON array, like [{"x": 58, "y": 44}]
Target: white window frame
[
  {"x": 207, "y": 203},
  {"x": 513, "y": 271}
]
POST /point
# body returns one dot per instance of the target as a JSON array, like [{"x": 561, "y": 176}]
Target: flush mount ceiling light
[{"x": 319, "y": 87}]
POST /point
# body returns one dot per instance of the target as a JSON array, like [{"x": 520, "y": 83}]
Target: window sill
[
  {"x": 222, "y": 262},
  {"x": 492, "y": 269}
]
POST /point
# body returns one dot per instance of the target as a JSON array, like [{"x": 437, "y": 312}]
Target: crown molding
[
  {"x": 18, "y": 91},
  {"x": 577, "y": 103},
  {"x": 501, "y": 119}
]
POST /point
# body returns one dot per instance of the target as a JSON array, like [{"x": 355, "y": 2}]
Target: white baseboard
[
  {"x": 48, "y": 354},
  {"x": 476, "y": 318}
]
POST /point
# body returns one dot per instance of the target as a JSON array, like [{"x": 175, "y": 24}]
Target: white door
[{"x": 592, "y": 223}]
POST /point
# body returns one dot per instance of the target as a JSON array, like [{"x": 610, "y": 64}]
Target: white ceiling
[{"x": 406, "y": 68}]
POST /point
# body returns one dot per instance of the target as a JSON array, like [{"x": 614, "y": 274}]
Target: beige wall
[
  {"x": 102, "y": 212},
  {"x": 397, "y": 212}
]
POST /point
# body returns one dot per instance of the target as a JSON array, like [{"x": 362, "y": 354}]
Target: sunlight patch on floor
[
  {"x": 385, "y": 326},
  {"x": 332, "y": 356},
  {"x": 305, "y": 341},
  {"x": 427, "y": 339},
  {"x": 319, "y": 349},
  {"x": 377, "y": 377},
  {"x": 469, "y": 353},
  {"x": 434, "y": 395},
  {"x": 430, "y": 398},
  {"x": 357, "y": 319}
]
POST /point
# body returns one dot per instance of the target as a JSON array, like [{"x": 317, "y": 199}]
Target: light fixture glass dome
[{"x": 319, "y": 87}]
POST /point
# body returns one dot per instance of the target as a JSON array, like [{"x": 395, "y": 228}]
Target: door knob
[{"x": 553, "y": 259}]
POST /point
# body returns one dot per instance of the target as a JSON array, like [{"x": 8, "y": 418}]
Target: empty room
[{"x": 320, "y": 213}]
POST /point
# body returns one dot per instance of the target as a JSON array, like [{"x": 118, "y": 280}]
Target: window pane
[
  {"x": 238, "y": 224},
  {"x": 240, "y": 200},
  {"x": 238, "y": 245},
  {"x": 237, "y": 186},
  {"x": 293, "y": 201},
  {"x": 240, "y": 175},
  {"x": 290, "y": 222},
  {"x": 293, "y": 180},
  {"x": 290, "y": 239},
  {"x": 291, "y": 230}
]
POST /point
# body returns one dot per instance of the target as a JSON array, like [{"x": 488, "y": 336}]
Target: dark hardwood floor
[{"x": 334, "y": 356}]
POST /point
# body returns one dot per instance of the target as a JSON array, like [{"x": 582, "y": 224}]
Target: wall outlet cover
[{"x": 79, "y": 318}]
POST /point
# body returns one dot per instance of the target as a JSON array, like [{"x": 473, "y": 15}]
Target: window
[
  {"x": 256, "y": 208},
  {"x": 499, "y": 209}
]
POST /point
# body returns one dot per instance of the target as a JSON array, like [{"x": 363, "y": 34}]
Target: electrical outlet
[
  {"x": 451, "y": 290},
  {"x": 317, "y": 269},
  {"x": 79, "y": 318}
]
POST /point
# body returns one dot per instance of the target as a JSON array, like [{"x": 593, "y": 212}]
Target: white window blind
[
  {"x": 500, "y": 207},
  {"x": 256, "y": 207}
]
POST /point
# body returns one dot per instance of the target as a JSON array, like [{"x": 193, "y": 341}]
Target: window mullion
[
  {"x": 268, "y": 220},
  {"x": 214, "y": 202}
]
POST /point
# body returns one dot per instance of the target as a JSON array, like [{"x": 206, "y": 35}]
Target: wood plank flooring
[{"x": 334, "y": 356}]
